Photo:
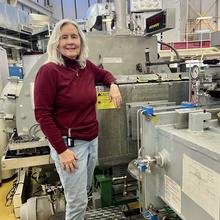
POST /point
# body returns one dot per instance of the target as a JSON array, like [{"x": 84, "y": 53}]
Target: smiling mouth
[{"x": 71, "y": 49}]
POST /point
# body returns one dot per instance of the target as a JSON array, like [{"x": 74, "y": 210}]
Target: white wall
[
  {"x": 172, "y": 35},
  {"x": 198, "y": 8},
  {"x": 186, "y": 13}
]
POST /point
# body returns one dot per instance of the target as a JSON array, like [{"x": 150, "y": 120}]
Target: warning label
[{"x": 103, "y": 101}]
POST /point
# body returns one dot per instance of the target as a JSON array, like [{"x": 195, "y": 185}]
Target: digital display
[{"x": 156, "y": 23}]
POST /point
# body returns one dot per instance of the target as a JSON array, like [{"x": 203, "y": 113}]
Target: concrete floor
[{"x": 6, "y": 213}]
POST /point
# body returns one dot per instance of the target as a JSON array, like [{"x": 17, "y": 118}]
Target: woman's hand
[
  {"x": 115, "y": 95},
  {"x": 68, "y": 161}
]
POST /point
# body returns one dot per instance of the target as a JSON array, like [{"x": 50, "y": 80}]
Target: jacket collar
[{"x": 70, "y": 63}]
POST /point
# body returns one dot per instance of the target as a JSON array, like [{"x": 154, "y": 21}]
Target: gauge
[{"x": 195, "y": 72}]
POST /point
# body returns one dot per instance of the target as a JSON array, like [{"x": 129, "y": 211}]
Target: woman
[{"x": 65, "y": 108}]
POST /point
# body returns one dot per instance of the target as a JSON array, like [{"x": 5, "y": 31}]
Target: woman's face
[{"x": 69, "y": 44}]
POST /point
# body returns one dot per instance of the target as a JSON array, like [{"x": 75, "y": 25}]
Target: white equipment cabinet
[{"x": 182, "y": 164}]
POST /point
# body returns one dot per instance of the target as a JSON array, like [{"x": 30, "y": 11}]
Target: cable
[
  {"x": 36, "y": 130},
  {"x": 39, "y": 189},
  {"x": 32, "y": 131},
  {"x": 11, "y": 193},
  {"x": 171, "y": 47}
]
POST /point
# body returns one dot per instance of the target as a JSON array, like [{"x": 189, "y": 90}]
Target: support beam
[
  {"x": 62, "y": 10},
  {"x": 37, "y": 7},
  {"x": 207, "y": 23},
  {"x": 196, "y": 53},
  {"x": 14, "y": 38},
  {"x": 218, "y": 14}
]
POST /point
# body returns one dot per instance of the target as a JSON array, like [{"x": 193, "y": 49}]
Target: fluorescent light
[
  {"x": 204, "y": 18},
  {"x": 202, "y": 31}
]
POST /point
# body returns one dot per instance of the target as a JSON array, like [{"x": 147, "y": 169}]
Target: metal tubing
[
  {"x": 162, "y": 63},
  {"x": 120, "y": 9},
  {"x": 171, "y": 47}
]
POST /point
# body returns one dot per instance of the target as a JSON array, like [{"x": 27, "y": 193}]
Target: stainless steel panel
[
  {"x": 180, "y": 143},
  {"x": 3, "y": 21},
  {"x": 120, "y": 54},
  {"x": 115, "y": 147},
  {"x": 12, "y": 17},
  {"x": 131, "y": 111},
  {"x": 200, "y": 147},
  {"x": 215, "y": 39}
]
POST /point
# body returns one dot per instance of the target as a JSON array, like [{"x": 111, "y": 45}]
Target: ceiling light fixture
[{"x": 204, "y": 18}]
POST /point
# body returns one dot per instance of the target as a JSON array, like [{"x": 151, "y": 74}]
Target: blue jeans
[{"x": 78, "y": 183}]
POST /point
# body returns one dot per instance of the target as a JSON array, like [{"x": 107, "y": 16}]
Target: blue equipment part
[
  {"x": 142, "y": 166},
  {"x": 187, "y": 105},
  {"x": 148, "y": 111},
  {"x": 16, "y": 71},
  {"x": 149, "y": 215}
]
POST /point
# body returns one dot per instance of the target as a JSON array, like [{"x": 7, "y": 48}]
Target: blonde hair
[{"x": 53, "y": 43}]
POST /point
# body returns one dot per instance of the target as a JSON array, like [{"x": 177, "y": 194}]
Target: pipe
[
  {"x": 162, "y": 62},
  {"x": 121, "y": 23},
  {"x": 171, "y": 47}
]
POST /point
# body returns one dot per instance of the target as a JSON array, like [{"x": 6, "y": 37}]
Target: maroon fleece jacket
[{"x": 65, "y": 97}]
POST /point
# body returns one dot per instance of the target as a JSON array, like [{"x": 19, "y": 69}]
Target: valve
[
  {"x": 150, "y": 215},
  {"x": 144, "y": 165},
  {"x": 148, "y": 111}
]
